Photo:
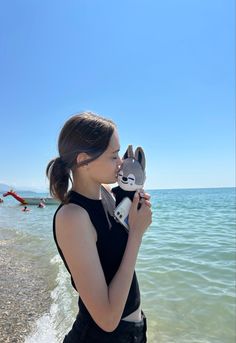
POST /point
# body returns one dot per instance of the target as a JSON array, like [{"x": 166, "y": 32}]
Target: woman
[{"x": 96, "y": 250}]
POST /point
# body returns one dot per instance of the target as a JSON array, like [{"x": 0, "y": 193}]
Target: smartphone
[{"x": 122, "y": 212}]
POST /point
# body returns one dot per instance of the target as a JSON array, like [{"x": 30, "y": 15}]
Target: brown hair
[{"x": 83, "y": 132}]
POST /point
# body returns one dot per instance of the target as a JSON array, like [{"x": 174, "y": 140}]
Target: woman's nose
[{"x": 119, "y": 161}]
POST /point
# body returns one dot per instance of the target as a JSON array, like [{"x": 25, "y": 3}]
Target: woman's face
[{"x": 105, "y": 168}]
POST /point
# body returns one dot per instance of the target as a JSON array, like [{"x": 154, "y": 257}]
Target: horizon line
[{"x": 35, "y": 190}]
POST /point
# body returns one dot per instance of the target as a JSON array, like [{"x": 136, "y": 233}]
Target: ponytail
[
  {"x": 59, "y": 175},
  {"x": 85, "y": 132}
]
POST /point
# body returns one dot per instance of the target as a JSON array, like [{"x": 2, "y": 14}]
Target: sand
[{"x": 24, "y": 294}]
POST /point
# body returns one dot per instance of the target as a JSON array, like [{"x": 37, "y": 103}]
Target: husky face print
[{"x": 131, "y": 176}]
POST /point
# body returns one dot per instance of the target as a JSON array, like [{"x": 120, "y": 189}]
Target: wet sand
[{"x": 24, "y": 294}]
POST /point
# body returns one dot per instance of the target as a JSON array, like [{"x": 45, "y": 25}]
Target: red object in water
[{"x": 16, "y": 196}]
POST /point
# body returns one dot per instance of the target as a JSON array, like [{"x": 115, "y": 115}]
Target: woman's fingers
[
  {"x": 145, "y": 201},
  {"x": 144, "y": 195},
  {"x": 135, "y": 202},
  {"x": 148, "y": 203}
]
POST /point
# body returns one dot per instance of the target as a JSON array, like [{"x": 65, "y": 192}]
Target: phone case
[{"x": 122, "y": 212}]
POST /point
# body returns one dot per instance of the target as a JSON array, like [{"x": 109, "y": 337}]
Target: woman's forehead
[{"x": 114, "y": 144}]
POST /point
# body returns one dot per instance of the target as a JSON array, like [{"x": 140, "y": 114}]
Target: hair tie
[
  {"x": 60, "y": 160},
  {"x": 62, "y": 164}
]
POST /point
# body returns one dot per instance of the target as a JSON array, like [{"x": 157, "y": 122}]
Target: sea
[{"x": 186, "y": 266}]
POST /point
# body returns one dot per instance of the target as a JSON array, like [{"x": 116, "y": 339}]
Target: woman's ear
[
  {"x": 129, "y": 152},
  {"x": 140, "y": 157},
  {"x": 81, "y": 157}
]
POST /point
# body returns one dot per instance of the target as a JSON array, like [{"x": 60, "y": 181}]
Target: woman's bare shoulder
[
  {"x": 71, "y": 212},
  {"x": 72, "y": 221}
]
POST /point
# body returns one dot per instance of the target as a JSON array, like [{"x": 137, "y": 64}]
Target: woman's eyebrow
[{"x": 116, "y": 151}]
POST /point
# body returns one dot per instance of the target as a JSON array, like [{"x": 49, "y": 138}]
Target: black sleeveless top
[{"x": 111, "y": 243}]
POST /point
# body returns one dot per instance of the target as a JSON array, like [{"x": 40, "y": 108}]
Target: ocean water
[{"x": 186, "y": 266}]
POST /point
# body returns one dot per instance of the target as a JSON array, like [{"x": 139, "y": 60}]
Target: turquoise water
[{"x": 186, "y": 266}]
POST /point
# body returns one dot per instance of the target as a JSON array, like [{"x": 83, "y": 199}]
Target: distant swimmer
[
  {"x": 1, "y": 200},
  {"x": 41, "y": 205},
  {"x": 25, "y": 209}
]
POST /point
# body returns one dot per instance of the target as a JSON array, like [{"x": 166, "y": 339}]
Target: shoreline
[{"x": 25, "y": 294}]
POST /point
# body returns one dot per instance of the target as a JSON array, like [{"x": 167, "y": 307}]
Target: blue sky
[{"x": 162, "y": 70}]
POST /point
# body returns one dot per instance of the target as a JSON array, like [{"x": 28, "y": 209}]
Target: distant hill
[{"x": 5, "y": 188}]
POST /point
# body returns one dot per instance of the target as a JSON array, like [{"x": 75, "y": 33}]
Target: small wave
[
  {"x": 52, "y": 326},
  {"x": 44, "y": 331}
]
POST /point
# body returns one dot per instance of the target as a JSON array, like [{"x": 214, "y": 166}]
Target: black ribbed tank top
[{"x": 111, "y": 243}]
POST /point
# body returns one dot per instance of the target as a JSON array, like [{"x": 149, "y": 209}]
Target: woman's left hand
[{"x": 144, "y": 197}]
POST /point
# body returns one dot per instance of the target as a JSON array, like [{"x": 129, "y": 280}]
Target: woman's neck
[{"x": 89, "y": 189}]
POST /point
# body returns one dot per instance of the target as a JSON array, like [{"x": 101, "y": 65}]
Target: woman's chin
[
  {"x": 109, "y": 181},
  {"x": 114, "y": 180}
]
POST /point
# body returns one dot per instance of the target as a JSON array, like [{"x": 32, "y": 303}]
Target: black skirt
[{"x": 85, "y": 330}]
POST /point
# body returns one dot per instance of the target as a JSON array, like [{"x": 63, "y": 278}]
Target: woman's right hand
[{"x": 139, "y": 220}]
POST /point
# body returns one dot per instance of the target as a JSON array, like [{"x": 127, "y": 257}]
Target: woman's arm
[{"x": 76, "y": 238}]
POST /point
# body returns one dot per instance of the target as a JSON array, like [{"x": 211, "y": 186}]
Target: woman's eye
[{"x": 115, "y": 157}]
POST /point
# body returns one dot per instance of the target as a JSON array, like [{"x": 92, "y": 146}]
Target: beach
[
  {"x": 24, "y": 293},
  {"x": 186, "y": 270}
]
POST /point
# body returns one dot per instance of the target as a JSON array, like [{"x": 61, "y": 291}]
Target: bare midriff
[{"x": 134, "y": 316}]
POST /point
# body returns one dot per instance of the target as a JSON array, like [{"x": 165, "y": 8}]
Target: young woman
[{"x": 97, "y": 251}]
